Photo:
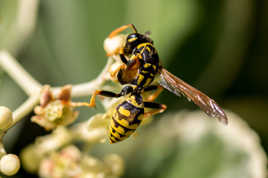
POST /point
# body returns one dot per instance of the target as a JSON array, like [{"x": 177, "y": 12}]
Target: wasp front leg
[
  {"x": 114, "y": 72},
  {"x": 130, "y": 66},
  {"x": 157, "y": 108},
  {"x": 128, "y": 71},
  {"x": 133, "y": 62}
]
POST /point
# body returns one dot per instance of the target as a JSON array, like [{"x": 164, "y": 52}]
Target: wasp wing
[{"x": 178, "y": 87}]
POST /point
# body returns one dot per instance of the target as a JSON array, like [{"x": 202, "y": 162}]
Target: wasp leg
[
  {"x": 132, "y": 63},
  {"x": 159, "y": 108},
  {"x": 153, "y": 96},
  {"x": 151, "y": 87},
  {"x": 120, "y": 77},
  {"x": 129, "y": 62},
  {"x": 123, "y": 58},
  {"x": 113, "y": 73},
  {"x": 122, "y": 28},
  {"x": 92, "y": 103},
  {"x": 78, "y": 104},
  {"x": 128, "y": 71}
]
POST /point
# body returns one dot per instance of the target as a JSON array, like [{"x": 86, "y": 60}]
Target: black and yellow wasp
[
  {"x": 140, "y": 59},
  {"x": 128, "y": 114},
  {"x": 140, "y": 65}
]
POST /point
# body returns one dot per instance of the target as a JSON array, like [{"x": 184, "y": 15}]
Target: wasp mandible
[{"x": 140, "y": 65}]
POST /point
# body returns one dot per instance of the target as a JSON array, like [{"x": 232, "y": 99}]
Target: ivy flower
[
  {"x": 70, "y": 162},
  {"x": 53, "y": 112}
]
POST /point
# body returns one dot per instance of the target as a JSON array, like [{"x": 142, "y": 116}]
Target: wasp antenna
[
  {"x": 122, "y": 28},
  {"x": 133, "y": 28}
]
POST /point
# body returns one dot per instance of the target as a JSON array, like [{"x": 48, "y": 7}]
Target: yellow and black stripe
[
  {"x": 126, "y": 118},
  {"x": 149, "y": 65}
]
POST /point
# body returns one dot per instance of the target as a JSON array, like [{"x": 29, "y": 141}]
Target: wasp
[
  {"x": 128, "y": 114},
  {"x": 141, "y": 64},
  {"x": 139, "y": 57}
]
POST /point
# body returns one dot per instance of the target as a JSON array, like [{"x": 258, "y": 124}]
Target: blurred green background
[{"x": 220, "y": 47}]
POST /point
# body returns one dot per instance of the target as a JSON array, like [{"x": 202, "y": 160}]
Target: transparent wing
[{"x": 179, "y": 87}]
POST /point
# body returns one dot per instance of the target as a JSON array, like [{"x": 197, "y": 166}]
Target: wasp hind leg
[
  {"x": 158, "y": 108},
  {"x": 158, "y": 89}
]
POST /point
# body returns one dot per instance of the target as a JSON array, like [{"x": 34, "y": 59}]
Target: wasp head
[{"x": 133, "y": 40}]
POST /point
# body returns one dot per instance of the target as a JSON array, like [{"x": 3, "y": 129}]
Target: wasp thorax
[{"x": 113, "y": 45}]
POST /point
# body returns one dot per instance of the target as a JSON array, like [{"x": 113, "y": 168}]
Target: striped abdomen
[{"x": 125, "y": 121}]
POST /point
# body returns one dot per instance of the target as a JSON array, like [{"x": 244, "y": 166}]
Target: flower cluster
[
  {"x": 52, "y": 155},
  {"x": 70, "y": 162},
  {"x": 54, "y": 112}
]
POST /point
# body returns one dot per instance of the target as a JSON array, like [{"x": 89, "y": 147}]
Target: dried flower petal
[
  {"x": 65, "y": 93},
  {"x": 46, "y": 96}
]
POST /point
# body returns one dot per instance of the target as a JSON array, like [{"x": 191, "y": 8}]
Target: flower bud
[
  {"x": 113, "y": 45},
  {"x": 9, "y": 164},
  {"x": 30, "y": 158},
  {"x": 5, "y": 118}
]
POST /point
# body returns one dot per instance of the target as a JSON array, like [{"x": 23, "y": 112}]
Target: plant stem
[
  {"x": 25, "y": 108},
  {"x": 85, "y": 89},
  {"x": 18, "y": 73},
  {"x": 33, "y": 87}
]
